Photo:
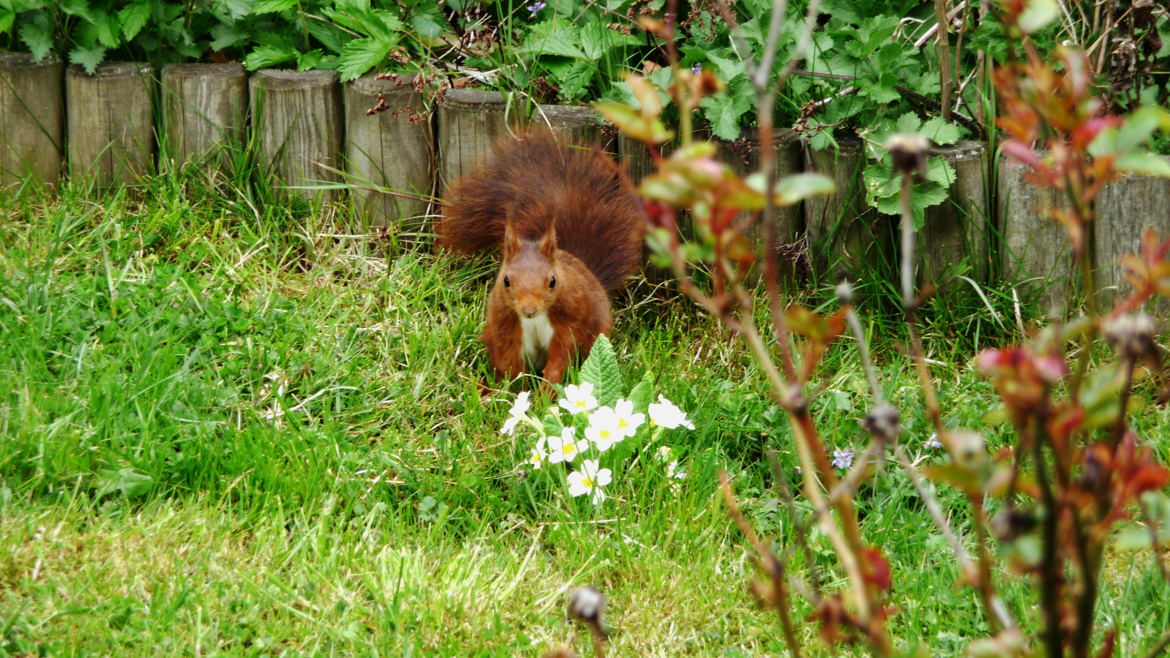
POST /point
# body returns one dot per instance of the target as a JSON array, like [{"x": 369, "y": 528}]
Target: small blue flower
[
  {"x": 697, "y": 68},
  {"x": 842, "y": 459},
  {"x": 933, "y": 442},
  {"x": 536, "y": 7}
]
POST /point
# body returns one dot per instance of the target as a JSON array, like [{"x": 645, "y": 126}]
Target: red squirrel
[{"x": 569, "y": 228}]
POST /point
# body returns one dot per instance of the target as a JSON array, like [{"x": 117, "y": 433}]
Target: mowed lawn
[{"x": 233, "y": 427}]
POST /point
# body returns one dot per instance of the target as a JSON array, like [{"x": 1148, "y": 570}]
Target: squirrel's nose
[{"x": 528, "y": 311}]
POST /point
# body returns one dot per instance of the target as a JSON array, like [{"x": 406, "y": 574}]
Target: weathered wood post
[
  {"x": 392, "y": 149},
  {"x": 579, "y": 124},
  {"x": 32, "y": 118},
  {"x": 743, "y": 155},
  {"x": 635, "y": 157},
  {"x": 111, "y": 122},
  {"x": 297, "y": 119},
  {"x": 470, "y": 121},
  {"x": 843, "y": 232},
  {"x": 1034, "y": 249},
  {"x": 957, "y": 230},
  {"x": 1125, "y": 208},
  {"x": 204, "y": 108}
]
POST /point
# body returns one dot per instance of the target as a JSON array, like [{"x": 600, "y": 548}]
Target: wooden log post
[
  {"x": 579, "y": 124},
  {"x": 846, "y": 238},
  {"x": 1034, "y": 250},
  {"x": 470, "y": 121},
  {"x": 634, "y": 156},
  {"x": 297, "y": 120},
  {"x": 392, "y": 149},
  {"x": 32, "y": 119},
  {"x": 955, "y": 233},
  {"x": 743, "y": 155},
  {"x": 111, "y": 122},
  {"x": 204, "y": 109},
  {"x": 1125, "y": 208}
]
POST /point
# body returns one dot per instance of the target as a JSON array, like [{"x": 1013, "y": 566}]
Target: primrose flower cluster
[{"x": 592, "y": 433}]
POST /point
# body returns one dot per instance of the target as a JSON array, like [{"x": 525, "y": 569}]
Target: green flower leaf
[
  {"x": 601, "y": 370},
  {"x": 37, "y": 35},
  {"x": 88, "y": 57},
  {"x": 263, "y": 57},
  {"x": 133, "y": 18},
  {"x": 361, "y": 55}
]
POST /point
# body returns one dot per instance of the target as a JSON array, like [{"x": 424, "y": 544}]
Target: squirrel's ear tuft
[
  {"x": 548, "y": 243},
  {"x": 511, "y": 239}
]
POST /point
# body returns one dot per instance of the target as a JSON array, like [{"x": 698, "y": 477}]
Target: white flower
[
  {"x": 516, "y": 413},
  {"x": 589, "y": 480},
  {"x": 673, "y": 472},
  {"x": 664, "y": 452},
  {"x": 628, "y": 422},
  {"x": 563, "y": 448},
  {"x": 603, "y": 429},
  {"x": 665, "y": 414},
  {"x": 578, "y": 398},
  {"x": 539, "y": 455}
]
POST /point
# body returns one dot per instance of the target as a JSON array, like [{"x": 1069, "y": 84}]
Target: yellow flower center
[
  {"x": 587, "y": 482},
  {"x": 568, "y": 448},
  {"x": 622, "y": 423},
  {"x": 604, "y": 434}
]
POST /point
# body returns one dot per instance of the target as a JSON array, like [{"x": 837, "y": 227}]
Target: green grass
[{"x": 230, "y": 427}]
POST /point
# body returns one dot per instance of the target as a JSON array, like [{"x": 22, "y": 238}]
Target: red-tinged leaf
[
  {"x": 635, "y": 125},
  {"x": 1022, "y": 152},
  {"x": 877, "y": 569},
  {"x": 648, "y": 100}
]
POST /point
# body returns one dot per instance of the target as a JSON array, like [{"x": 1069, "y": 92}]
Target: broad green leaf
[
  {"x": 908, "y": 123},
  {"x": 79, "y": 8},
  {"x": 124, "y": 481},
  {"x": 940, "y": 171},
  {"x": 7, "y": 17},
  {"x": 643, "y": 393},
  {"x": 939, "y": 131},
  {"x": 37, "y": 35},
  {"x": 225, "y": 36},
  {"x": 1036, "y": 15},
  {"x": 553, "y": 38},
  {"x": 361, "y": 55},
  {"x": 133, "y": 18},
  {"x": 634, "y": 124},
  {"x": 330, "y": 36},
  {"x": 601, "y": 370},
  {"x": 797, "y": 187},
  {"x": 597, "y": 40},
  {"x": 272, "y": 6},
  {"x": 310, "y": 60},
  {"x": 428, "y": 21},
  {"x": 88, "y": 57},
  {"x": 263, "y": 57},
  {"x": 1144, "y": 163},
  {"x": 724, "y": 111},
  {"x": 108, "y": 30},
  {"x": 572, "y": 77}
]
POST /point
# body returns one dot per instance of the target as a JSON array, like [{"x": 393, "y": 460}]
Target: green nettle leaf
[
  {"x": 7, "y": 17},
  {"x": 723, "y": 112},
  {"x": 79, "y": 8},
  {"x": 310, "y": 60},
  {"x": 133, "y": 18},
  {"x": 88, "y": 57},
  {"x": 601, "y": 370},
  {"x": 572, "y": 77},
  {"x": 361, "y": 55},
  {"x": 263, "y": 57},
  {"x": 37, "y": 35}
]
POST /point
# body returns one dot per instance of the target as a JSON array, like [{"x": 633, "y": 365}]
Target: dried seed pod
[
  {"x": 586, "y": 605},
  {"x": 883, "y": 423},
  {"x": 1132, "y": 335},
  {"x": 908, "y": 153}
]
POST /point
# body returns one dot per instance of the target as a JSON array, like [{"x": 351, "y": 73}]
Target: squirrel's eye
[
  {"x": 552, "y": 282},
  {"x": 507, "y": 282}
]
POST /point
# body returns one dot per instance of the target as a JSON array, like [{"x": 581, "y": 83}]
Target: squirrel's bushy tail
[{"x": 537, "y": 179}]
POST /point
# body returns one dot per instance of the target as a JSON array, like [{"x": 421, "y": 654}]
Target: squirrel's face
[{"x": 528, "y": 277}]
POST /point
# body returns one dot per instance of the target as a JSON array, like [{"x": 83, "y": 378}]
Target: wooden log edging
[
  {"x": 32, "y": 118},
  {"x": 394, "y": 149},
  {"x": 470, "y": 121},
  {"x": 957, "y": 231},
  {"x": 298, "y": 121},
  {"x": 204, "y": 109},
  {"x": 111, "y": 122}
]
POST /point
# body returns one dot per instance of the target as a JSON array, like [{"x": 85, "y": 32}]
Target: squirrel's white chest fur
[{"x": 536, "y": 334}]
